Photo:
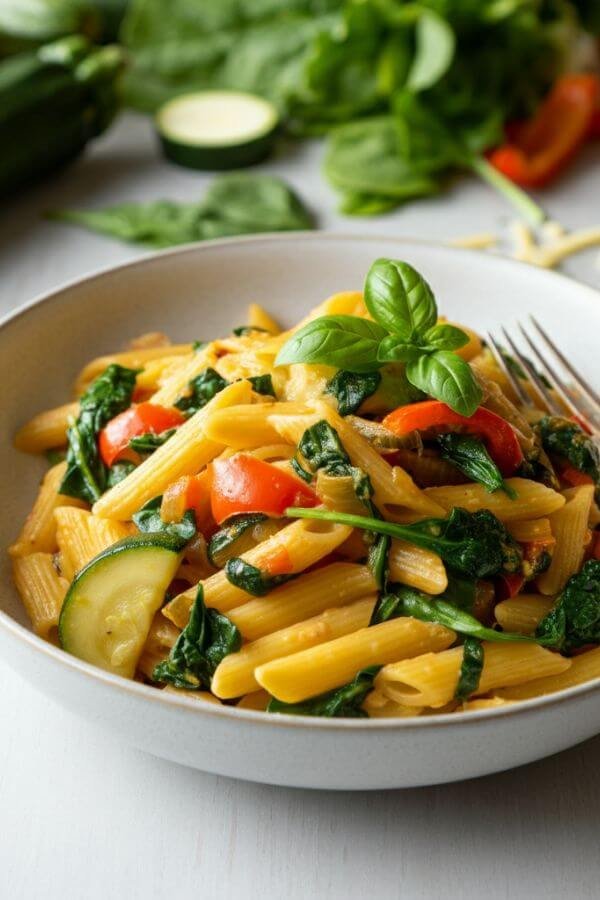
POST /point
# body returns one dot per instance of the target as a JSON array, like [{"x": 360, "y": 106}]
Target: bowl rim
[{"x": 147, "y": 693}]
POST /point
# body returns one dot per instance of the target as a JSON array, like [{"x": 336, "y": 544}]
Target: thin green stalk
[{"x": 522, "y": 202}]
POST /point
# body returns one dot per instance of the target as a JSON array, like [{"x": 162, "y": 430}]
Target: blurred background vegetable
[{"x": 25, "y": 24}]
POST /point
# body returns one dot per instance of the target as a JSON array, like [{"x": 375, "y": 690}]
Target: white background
[{"x": 83, "y": 818}]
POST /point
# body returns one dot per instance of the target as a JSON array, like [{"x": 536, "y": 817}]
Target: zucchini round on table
[
  {"x": 217, "y": 129},
  {"x": 108, "y": 609}
]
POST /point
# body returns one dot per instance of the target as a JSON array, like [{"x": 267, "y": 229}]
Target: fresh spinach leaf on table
[{"x": 106, "y": 397}]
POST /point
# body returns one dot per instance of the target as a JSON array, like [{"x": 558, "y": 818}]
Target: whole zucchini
[
  {"x": 25, "y": 24},
  {"x": 53, "y": 100}
]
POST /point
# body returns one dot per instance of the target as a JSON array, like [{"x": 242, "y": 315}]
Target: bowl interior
[{"x": 202, "y": 292}]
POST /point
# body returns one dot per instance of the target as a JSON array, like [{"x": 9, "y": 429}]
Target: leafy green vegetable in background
[
  {"x": 344, "y": 702},
  {"x": 236, "y": 203},
  {"x": 416, "y": 90},
  {"x": 476, "y": 545},
  {"x": 208, "y": 638},
  {"x": 404, "y": 330},
  {"x": 250, "y": 579},
  {"x": 565, "y": 439},
  {"x": 574, "y": 620},
  {"x": 148, "y": 518},
  {"x": 471, "y": 668},
  {"x": 108, "y": 395},
  {"x": 201, "y": 389},
  {"x": 472, "y": 458},
  {"x": 28, "y": 23}
]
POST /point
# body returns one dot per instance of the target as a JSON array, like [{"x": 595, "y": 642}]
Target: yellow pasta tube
[
  {"x": 483, "y": 703},
  {"x": 303, "y": 545},
  {"x": 160, "y": 640},
  {"x": 47, "y": 430},
  {"x": 39, "y": 531},
  {"x": 156, "y": 372},
  {"x": 258, "y": 700},
  {"x": 41, "y": 589},
  {"x": 185, "y": 453},
  {"x": 335, "y": 585},
  {"x": 235, "y": 674},
  {"x": 531, "y": 530},
  {"x": 583, "y": 668},
  {"x": 131, "y": 359},
  {"x": 523, "y": 613},
  {"x": 177, "y": 384},
  {"x": 533, "y": 499},
  {"x": 330, "y": 665},
  {"x": 431, "y": 680},
  {"x": 258, "y": 317},
  {"x": 378, "y": 706},
  {"x": 247, "y": 427},
  {"x": 569, "y": 526},
  {"x": 81, "y": 536},
  {"x": 416, "y": 567}
]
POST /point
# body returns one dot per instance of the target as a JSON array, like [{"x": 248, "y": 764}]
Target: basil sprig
[{"x": 404, "y": 329}]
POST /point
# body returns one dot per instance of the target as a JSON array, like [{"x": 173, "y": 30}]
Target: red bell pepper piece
[
  {"x": 145, "y": 418},
  {"x": 245, "y": 484},
  {"x": 542, "y": 147},
  {"x": 497, "y": 434},
  {"x": 574, "y": 477}
]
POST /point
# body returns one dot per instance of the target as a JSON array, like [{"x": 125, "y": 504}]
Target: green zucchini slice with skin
[
  {"x": 217, "y": 129},
  {"x": 108, "y": 609}
]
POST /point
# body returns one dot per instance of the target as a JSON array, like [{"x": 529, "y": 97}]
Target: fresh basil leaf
[
  {"x": 250, "y": 579},
  {"x": 148, "y": 519},
  {"x": 446, "y": 377},
  {"x": 344, "y": 702},
  {"x": 107, "y": 396},
  {"x": 471, "y": 457},
  {"x": 471, "y": 668},
  {"x": 201, "y": 390},
  {"x": 148, "y": 443},
  {"x": 205, "y": 641},
  {"x": 396, "y": 349},
  {"x": 346, "y": 342},
  {"x": 399, "y": 298},
  {"x": 229, "y": 533},
  {"x": 445, "y": 337},
  {"x": 263, "y": 384},
  {"x": 351, "y": 389}
]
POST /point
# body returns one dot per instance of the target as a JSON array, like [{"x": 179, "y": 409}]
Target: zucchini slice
[
  {"x": 217, "y": 129},
  {"x": 106, "y": 614}
]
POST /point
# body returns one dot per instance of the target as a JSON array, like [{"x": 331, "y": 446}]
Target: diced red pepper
[
  {"x": 574, "y": 477},
  {"x": 145, "y": 418},
  {"x": 508, "y": 586},
  {"x": 245, "y": 484},
  {"x": 279, "y": 563},
  {"x": 498, "y": 435},
  {"x": 540, "y": 149}
]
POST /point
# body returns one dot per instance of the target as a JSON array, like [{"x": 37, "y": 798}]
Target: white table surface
[{"x": 83, "y": 818}]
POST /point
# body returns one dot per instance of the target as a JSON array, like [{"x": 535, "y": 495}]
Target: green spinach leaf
[
  {"x": 351, "y": 389},
  {"x": 201, "y": 390},
  {"x": 118, "y": 472},
  {"x": 574, "y": 620},
  {"x": 146, "y": 444},
  {"x": 471, "y": 457},
  {"x": 250, "y": 579},
  {"x": 344, "y": 702},
  {"x": 148, "y": 518},
  {"x": 471, "y": 668},
  {"x": 205, "y": 641},
  {"x": 263, "y": 384},
  {"x": 106, "y": 397},
  {"x": 226, "y": 536},
  {"x": 565, "y": 439}
]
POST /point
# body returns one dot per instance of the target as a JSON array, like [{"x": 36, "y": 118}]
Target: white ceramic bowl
[{"x": 202, "y": 291}]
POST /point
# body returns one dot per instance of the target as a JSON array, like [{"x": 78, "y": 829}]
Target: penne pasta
[
  {"x": 417, "y": 567},
  {"x": 533, "y": 499},
  {"x": 185, "y": 453},
  {"x": 569, "y": 526},
  {"x": 38, "y": 534},
  {"x": 431, "y": 680},
  {"x": 584, "y": 667},
  {"x": 47, "y": 430},
  {"x": 378, "y": 706},
  {"x": 523, "y": 613},
  {"x": 131, "y": 359},
  {"x": 247, "y": 427},
  {"x": 177, "y": 384},
  {"x": 160, "y": 640},
  {"x": 260, "y": 318},
  {"x": 42, "y": 591},
  {"x": 312, "y": 672},
  {"x": 235, "y": 674},
  {"x": 81, "y": 536}
]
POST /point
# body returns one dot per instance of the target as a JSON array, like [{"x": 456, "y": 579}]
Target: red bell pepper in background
[
  {"x": 594, "y": 131},
  {"x": 245, "y": 484},
  {"x": 539, "y": 149},
  {"x": 145, "y": 418},
  {"x": 497, "y": 434}
]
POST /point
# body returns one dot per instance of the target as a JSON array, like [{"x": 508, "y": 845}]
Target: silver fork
[{"x": 578, "y": 396}]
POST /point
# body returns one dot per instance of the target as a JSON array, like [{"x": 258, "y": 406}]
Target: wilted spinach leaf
[
  {"x": 146, "y": 444},
  {"x": 574, "y": 620},
  {"x": 263, "y": 384},
  {"x": 118, "y": 472},
  {"x": 148, "y": 518},
  {"x": 471, "y": 457},
  {"x": 201, "y": 390},
  {"x": 344, "y": 702},
  {"x": 106, "y": 397},
  {"x": 565, "y": 439},
  {"x": 250, "y": 579},
  {"x": 207, "y": 639},
  {"x": 351, "y": 389},
  {"x": 229, "y": 533},
  {"x": 471, "y": 668}
]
